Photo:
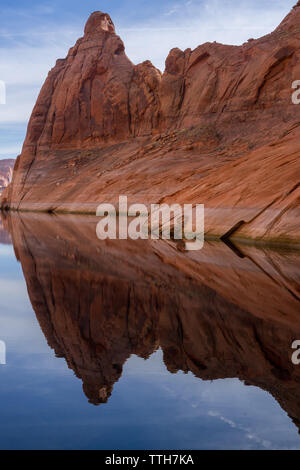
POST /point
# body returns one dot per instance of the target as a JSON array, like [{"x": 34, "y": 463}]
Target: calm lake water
[{"x": 136, "y": 345}]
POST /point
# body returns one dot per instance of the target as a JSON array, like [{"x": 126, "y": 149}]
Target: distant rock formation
[
  {"x": 5, "y": 238},
  {"x": 216, "y": 313},
  {"x": 217, "y": 127},
  {"x": 6, "y": 172}
]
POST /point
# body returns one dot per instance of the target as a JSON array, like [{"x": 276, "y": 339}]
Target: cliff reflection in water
[{"x": 216, "y": 312}]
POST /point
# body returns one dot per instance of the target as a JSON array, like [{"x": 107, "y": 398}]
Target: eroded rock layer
[{"x": 217, "y": 127}]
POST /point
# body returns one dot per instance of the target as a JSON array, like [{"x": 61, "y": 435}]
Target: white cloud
[
  {"x": 195, "y": 23},
  {"x": 173, "y": 10},
  {"x": 25, "y": 63},
  {"x": 251, "y": 436},
  {"x": 7, "y": 151}
]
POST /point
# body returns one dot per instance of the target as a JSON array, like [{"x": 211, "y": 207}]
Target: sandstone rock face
[
  {"x": 6, "y": 172},
  {"x": 216, "y": 313},
  {"x": 217, "y": 127}
]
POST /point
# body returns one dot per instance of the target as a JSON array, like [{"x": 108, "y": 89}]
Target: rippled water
[{"x": 136, "y": 345}]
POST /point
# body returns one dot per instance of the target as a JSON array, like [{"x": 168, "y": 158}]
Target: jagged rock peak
[{"x": 98, "y": 22}]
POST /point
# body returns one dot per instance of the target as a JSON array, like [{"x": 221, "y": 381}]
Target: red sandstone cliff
[{"x": 217, "y": 127}]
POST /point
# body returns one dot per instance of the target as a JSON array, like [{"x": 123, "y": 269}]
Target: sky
[{"x": 33, "y": 34}]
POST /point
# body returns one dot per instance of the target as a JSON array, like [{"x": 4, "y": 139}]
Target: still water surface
[{"x": 136, "y": 345}]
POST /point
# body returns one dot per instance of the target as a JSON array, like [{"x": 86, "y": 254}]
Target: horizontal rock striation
[{"x": 217, "y": 127}]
